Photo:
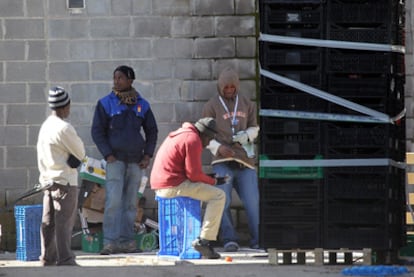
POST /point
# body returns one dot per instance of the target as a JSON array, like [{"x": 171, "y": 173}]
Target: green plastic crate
[
  {"x": 92, "y": 243},
  {"x": 290, "y": 172},
  {"x": 147, "y": 241},
  {"x": 408, "y": 250}
]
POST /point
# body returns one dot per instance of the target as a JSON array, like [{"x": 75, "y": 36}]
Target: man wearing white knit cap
[{"x": 59, "y": 153}]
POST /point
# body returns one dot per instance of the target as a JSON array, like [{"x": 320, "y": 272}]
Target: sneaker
[
  {"x": 129, "y": 247},
  {"x": 255, "y": 246},
  {"x": 231, "y": 246},
  {"x": 203, "y": 246},
  {"x": 109, "y": 249}
]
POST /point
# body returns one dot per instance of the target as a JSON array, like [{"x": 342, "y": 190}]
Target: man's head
[
  {"x": 228, "y": 83},
  {"x": 123, "y": 78},
  {"x": 59, "y": 101},
  {"x": 206, "y": 126}
]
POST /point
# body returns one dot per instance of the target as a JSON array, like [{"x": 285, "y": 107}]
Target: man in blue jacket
[{"x": 116, "y": 131}]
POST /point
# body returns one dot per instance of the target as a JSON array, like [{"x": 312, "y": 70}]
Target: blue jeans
[
  {"x": 121, "y": 187},
  {"x": 244, "y": 181}
]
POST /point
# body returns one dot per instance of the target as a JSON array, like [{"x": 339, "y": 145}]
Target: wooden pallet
[{"x": 319, "y": 256}]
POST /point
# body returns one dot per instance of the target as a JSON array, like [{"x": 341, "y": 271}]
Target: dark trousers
[{"x": 58, "y": 219}]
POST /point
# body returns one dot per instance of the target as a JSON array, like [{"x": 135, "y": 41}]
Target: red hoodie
[{"x": 179, "y": 159}]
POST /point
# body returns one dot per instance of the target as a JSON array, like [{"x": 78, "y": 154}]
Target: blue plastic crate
[
  {"x": 28, "y": 221},
  {"x": 179, "y": 224}
]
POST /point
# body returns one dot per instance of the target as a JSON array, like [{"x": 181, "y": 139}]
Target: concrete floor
[{"x": 245, "y": 263}]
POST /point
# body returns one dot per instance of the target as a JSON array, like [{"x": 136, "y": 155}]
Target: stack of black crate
[
  {"x": 364, "y": 205},
  {"x": 338, "y": 207},
  {"x": 291, "y": 198}
]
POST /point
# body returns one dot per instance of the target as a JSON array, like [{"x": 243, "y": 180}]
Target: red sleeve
[{"x": 193, "y": 167}]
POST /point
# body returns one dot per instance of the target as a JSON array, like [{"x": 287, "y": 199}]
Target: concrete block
[
  {"x": 12, "y": 50},
  {"x": 113, "y": 27},
  {"x": 192, "y": 27},
  {"x": 121, "y": 7},
  {"x": 215, "y": 48},
  {"x": 21, "y": 156},
  {"x": 171, "y": 7},
  {"x": 26, "y": 114},
  {"x": 143, "y": 69},
  {"x": 131, "y": 48},
  {"x": 24, "y": 29},
  {"x": 167, "y": 90},
  {"x": 172, "y": 48},
  {"x": 89, "y": 93},
  {"x": 84, "y": 132},
  {"x": 68, "y": 28},
  {"x": 188, "y": 111},
  {"x": 213, "y": 7},
  {"x": 248, "y": 89},
  {"x": 2, "y": 117},
  {"x": 163, "y": 112},
  {"x": 36, "y": 50},
  {"x": 99, "y": 7},
  {"x": 35, "y": 8},
  {"x": 140, "y": 7},
  {"x": 33, "y": 133},
  {"x": 11, "y": 8},
  {"x": 69, "y": 71},
  {"x": 235, "y": 26},
  {"x": 37, "y": 93},
  {"x": 89, "y": 49},
  {"x": 13, "y": 178},
  {"x": 12, "y": 135},
  {"x": 58, "y": 50},
  {"x": 195, "y": 69},
  {"x": 12, "y": 93},
  {"x": 246, "y": 47},
  {"x": 59, "y": 8},
  {"x": 198, "y": 90},
  {"x": 25, "y": 71},
  {"x": 245, "y": 6},
  {"x": 157, "y": 26},
  {"x": 245, "y": 67},
  {"x": 81, "y": 115},
  {"x": 103, "y": 70}
]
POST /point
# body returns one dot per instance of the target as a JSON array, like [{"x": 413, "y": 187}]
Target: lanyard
[{"x": 234, "y": 121}]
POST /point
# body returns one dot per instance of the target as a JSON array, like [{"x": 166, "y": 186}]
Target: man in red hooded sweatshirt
[{"x": 177, "y": 171}]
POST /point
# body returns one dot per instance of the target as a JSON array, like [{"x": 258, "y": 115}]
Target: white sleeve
[
  {"x": 252, "y": 132},
  {"x": 213, "y": 146}
]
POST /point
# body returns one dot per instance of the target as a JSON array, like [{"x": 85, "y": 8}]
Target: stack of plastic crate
[
  {"x": 179, "y": 221},
  {"x": 28, "y": 222}
]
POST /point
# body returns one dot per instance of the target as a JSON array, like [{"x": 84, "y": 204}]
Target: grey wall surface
[{"x": 176, "y": 47}]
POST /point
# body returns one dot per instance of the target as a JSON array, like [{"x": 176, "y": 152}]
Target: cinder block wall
[
  {"x": 177, "y": 48},
  {"x": 409, "y": 65}
]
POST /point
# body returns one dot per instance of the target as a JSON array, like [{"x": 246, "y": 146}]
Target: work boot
[
  {"x": 109, "y": 249},
  {"x": 203, "y": 246}
]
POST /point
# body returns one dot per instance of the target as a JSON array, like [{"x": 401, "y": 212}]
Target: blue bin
[
  {"x": 179, "y": 221},
  {"x": 28, "y": 222}
]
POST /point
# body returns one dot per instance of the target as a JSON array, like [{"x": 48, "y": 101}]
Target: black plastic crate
[
  {"x": 364, "y": 62},
  {"x": 390, "y": 35},
  {"x": 358, "y": 140},
  {"x": 362, "y": 212},
  {"x": 292, "y": 211},
  {"x": 365, "y": 12},
  {"x": 291, "y": 13},
  {"x": 357, "y": 84},
  {"x": 290, "y": 236},
  {"x": 290, "y": 56},
  {"x": 364, "y": 182},
  {"x": 292, "y": 150},
  {"x": 358, "y": 237},
  {"x": 287, "y": 190},
  {"x": 283, "y": 128},
  {"x": 270, "y": 87}
]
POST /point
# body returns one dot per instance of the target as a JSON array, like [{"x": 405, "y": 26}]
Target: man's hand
[
  {"x": 144, "y": 162},
  {"x": 241, "y": 137}
]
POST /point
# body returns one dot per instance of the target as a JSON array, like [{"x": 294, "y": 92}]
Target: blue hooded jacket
[{"x": 116, "y": 129}]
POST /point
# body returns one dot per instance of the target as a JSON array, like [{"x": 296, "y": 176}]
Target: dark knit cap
[
  {"x": 128, "y": 71},
  {"x": 207, "y": 126},
  {"x": 58, "y": 98}
]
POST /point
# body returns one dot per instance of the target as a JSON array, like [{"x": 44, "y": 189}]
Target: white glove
[{"x": 241, "y": 137}]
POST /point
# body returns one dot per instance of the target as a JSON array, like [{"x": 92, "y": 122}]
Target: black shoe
[
  {"x": 129, "y": 247},
  {"x": 109, "y": 249},
  {"x": 203, "y": 246}
]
